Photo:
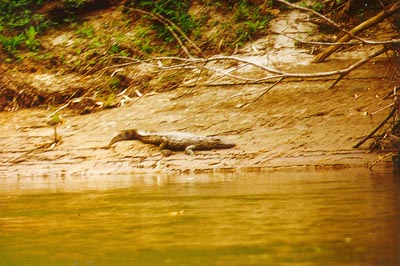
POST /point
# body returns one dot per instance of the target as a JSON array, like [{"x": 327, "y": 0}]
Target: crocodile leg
[
  {"x": 164, "y": 147},
  {"x": 189, "y": 149}
]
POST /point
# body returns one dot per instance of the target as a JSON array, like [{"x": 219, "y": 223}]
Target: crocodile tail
[{"x": 124, "y": 135}]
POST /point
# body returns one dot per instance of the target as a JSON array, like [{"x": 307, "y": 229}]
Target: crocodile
[{"x": 175, "y": 141}]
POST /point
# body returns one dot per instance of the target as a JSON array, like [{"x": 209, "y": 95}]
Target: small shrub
[
  {"x": 12, "y": 43},
  {"x": 31, "y": 42},
  {"x": 176, "y": 11}
]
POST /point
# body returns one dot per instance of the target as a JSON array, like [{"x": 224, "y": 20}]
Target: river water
[{"x": 342, "y": 217}]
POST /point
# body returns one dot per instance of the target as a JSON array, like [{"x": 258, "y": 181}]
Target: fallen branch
[
  {"x": 201, "y": 64},
  {"x": 365, "y": 25},
  {"x": 392, "y": 112},
  {"x": 352, "y": 33},
  {"x": 282, "y": 74},
  {"x": 263, "y": 90},
  {"x": 380, "y": 158},
  {"x": 267, "y": 90},
  {"x": 334, "y": 24},
  {"x": 360, "y": 63},
  {"x": 349, "y": 43}
]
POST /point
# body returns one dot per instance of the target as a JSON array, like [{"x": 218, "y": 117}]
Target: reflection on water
[{"x": 346, "y": 217}]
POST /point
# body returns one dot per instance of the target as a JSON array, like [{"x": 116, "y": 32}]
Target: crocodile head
[{"x": 218, "y": 143}]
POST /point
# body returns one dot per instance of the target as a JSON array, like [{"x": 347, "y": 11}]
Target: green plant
[
  {"x": 42, "y": 57},
  {"x": 11, "y": 44},
  {"x": 176, "y": 11},
  {"x": 254, "y": 26},
  {"x": 248, "y": 21},
  {"x": 31, "y": 42},
  {"x": 18, "y": 14},
  {"x": 109, "y": 100},
  {"x": 144, "y": 44},
  {"x": 75, "y": 3},
  {"x": 85, "y": 31},
  {"x": 318, "y": 6},
  {"x": 114, "y": 82},
  {"x": 242, "y": 11},
  {"x": 96, "y": 44},
  {"x": 114, "y": 49}
]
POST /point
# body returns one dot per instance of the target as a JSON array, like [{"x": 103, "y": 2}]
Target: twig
[
  {"x": 44, "y": 146},
  {"x": 267, "y": 90},
  {"x": 381, "y": 109},
  {"x": 392, "y": 112},
  {"x": 59, "y": 109},
  {"x": 380, "y": 158},
  {"x": 242, "y": 94},
  {"x": 228, "y": 74}
]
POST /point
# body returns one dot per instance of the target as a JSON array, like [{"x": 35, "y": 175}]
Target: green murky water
[{"x": 346, "y": 217}]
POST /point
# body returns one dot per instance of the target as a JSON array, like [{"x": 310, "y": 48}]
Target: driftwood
[
  {"x": 365, "y": 25},
  {"x": 352, "y": 33}
]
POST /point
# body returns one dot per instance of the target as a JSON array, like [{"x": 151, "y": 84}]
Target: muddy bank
[{"x": 298, "y": 123}]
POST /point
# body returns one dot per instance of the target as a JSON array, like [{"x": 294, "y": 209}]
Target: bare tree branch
[
  {"x": 392, "y": 41},
  {"x": 160, "y": 64}
]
